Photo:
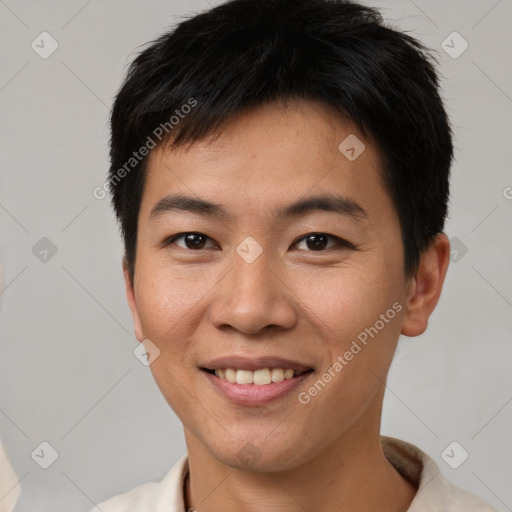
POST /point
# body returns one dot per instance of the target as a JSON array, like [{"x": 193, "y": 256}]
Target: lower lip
[{"x": 252, "y": 394}]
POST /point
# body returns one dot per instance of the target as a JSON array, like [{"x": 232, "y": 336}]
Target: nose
[{"x": 254, "y": 297}]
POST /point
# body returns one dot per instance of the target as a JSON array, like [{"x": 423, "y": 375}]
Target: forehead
[{"x": 271, "y": 156}]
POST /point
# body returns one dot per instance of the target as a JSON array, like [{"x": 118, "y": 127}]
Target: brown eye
[
  {"x": 320, "y": 241},
  {"x": 193, "y": 241}
]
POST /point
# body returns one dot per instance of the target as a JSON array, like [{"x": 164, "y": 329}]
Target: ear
[
  {"x": 426, "y": 285},
  {"x": 130, "y": 297}
]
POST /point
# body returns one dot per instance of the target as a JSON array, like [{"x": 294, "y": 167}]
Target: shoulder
[
  {"x": 141, "y": 498},
  {"x": 459, "y": 500},
  {"x": 435, "y": 492},
  {"x": 151, "y": 496}
]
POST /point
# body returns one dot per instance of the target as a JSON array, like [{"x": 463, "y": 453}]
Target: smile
[
  {"x": 260, "y": 377},
  {"x": 255, "y": 387}
]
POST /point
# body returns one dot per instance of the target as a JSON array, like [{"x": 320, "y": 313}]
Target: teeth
[
  {"x": 288, "y": 374},
  {"x": 244, "y": 376},
  {"x": 277, "y": 374},
  {"x": 230, "y": 375},
  {"x": 259, "y": 377}
]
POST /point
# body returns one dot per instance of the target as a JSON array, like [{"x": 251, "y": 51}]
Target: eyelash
[{"x": 340, "y": 241}]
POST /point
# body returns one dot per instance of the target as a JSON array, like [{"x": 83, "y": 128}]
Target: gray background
[{"x": 67, "y": 372}]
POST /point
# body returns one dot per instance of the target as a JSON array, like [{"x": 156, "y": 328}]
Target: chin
[{"x": 257, "y": 456}]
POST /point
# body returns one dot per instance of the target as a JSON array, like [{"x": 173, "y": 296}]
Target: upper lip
[{"x": 254, "y": 363}]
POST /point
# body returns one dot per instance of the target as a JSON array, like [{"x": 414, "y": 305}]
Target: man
[{"x": 280, "y": 172}]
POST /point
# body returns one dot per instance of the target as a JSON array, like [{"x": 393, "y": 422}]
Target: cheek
[
  {"x": 166, "y": 301},
  {"x": 358, "y": 316},
  {"x": 168, "y": 307},
  {"x": 347, "y": 301}
]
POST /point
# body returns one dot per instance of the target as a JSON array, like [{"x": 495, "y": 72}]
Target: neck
[{"x": 353, "y": 476}]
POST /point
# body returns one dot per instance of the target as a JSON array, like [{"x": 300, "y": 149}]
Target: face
[{"x": 296, "y": 261}]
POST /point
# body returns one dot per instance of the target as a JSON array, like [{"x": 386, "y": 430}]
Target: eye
[
  {"x": 192, "y": 240},
  {"x": 313, "y": 242},
  {"x": 320, "y": 241}
]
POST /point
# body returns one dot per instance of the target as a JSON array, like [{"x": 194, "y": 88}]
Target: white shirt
[{"x": 435, "y": 493}]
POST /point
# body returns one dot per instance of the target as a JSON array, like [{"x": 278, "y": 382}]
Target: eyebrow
[{"x": 340, "y": 205}]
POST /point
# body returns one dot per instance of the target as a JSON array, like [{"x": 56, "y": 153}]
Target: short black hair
[{"x": 245, "y": 53}]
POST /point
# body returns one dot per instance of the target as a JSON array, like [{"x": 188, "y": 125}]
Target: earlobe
[
  {"x": 426, "y": 286},
  {"x": 130, "y": 297}
]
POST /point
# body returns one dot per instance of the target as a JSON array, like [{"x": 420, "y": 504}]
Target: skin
[{"x": 293, "y": 301}]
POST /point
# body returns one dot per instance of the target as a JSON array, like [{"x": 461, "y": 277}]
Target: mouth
[
  {"x": 259, "y": 377},
  {"x": 254, "y": 382}
]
